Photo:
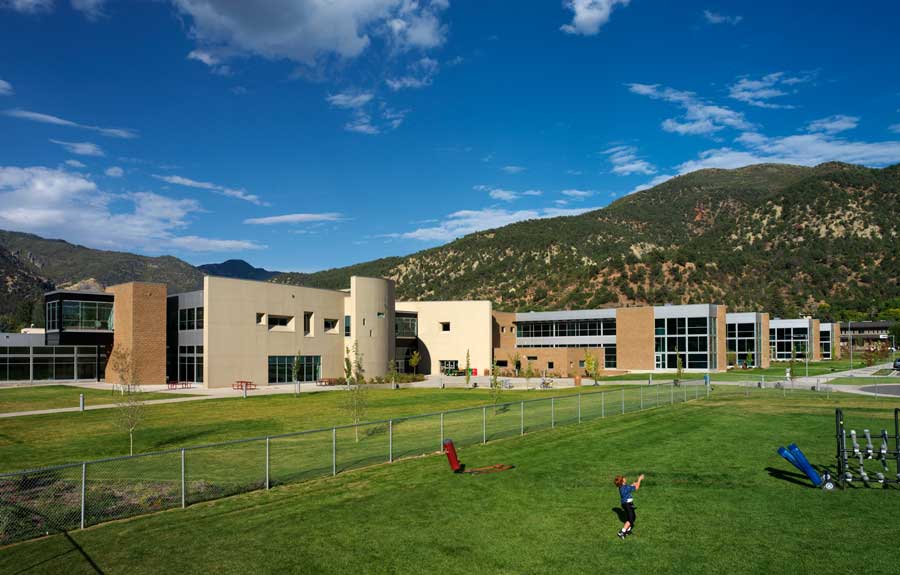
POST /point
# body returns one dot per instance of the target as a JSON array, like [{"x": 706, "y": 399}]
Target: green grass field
[
  {"x": 776, "y": 370},
  {"x": 865, "y": 381},
  {"x": 717, "y": 498},
  {"x": 33, "y": 398},
  {"x": 41, "y": 440}
]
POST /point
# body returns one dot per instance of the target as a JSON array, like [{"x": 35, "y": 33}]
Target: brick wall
[{"x": 140, "y": 328}]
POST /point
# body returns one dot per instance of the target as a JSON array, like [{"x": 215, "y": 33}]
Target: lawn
[
  {"x": 31, "y": 398},
  {"x": 41, "y": 440},
  {"x": 865, "y": 381},
  {"x": 776, "y": 370},
  {"x": 717, "y": 498}
]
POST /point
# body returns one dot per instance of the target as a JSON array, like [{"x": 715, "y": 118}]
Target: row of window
[
  {"x": 190, "y": 318},
  {"x": 281, "y": 368},
  {"x": 825, "y": 344},
  {"x": 740, "y": 342},
  {"x": 85, "y": 350},
  {"x": 682, "y": 326},
  {"x": 406, "y": 326},
  {"x": 734, "y": 330},
  {"x": 580, "y": 328},
  {"x": 80, "y": 315},
  {"x": 609, "y": 359},
  {"x": 49, "y": 366},
  {"x": 788, "y": 343},
  {"x": 685, "y": 340}
]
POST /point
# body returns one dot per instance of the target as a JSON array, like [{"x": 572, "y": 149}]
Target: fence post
[
  {"x": 244, "y": 388},
  {"x": 708, "y": 385},
  {"x": 552, "y": 412},
  {"x": 522, "y": 418},
  {"x": 579, "y": 408},
  {"x": 442, "y": 432},
  {"x": 657, "y": 396},
  {"x": 672, "y": 393},
  {"x": 333, "y": 451},
  {"x": 390, "y": 440},
  {"x": 483, "y": 425},
  {"x": 602, "y": 404},
  {"x": 685, "y": 394},
  {"x": 83, "y": 488},
  {"x": 267, "y": 462},
  {"x": 81, "y": 401},
  {"x": 642, "y": 398},
  {"x": 623, "y": 401},
  {"x": 183, "y": 484},
  {"x": 763, "y": 381}
]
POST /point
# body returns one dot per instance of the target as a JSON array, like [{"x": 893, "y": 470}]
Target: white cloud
[
  {"x": 465, "y": 222},
  {"x": 715, "y": 18},
  {"x": 533, "y": 193},
  {"x": 894, "y": 128},
  {"x": 801, "y": 149},
  {"x": 92, "y": 9},
  {"x": 513, "y": 169},
  {"x": 758, "y": 92},
  {"x": 350, "y": 100},
  {"x": 626, "y": 162},
  {"x": 295, "y": 219},
  {"x": 700, "y": 116},
  {"x": 57, "y": 121},
  {"x": 833, "y": 124},
  {"x": 574, "y": 172},
  {"x": 504, "y": 195},
  {"x": 364, "y": 119},
  {"x": 212, "y": 62},
  {"x": 589, "y": 15},
  {"x": 80, "y": 148},
  {"x": 6, "y": 88},
  {"x": 28, "y": 6},
  {"x": 306, "y": 30},
  {"x": 75, "y": 164},
  {"x": 63, "y": 204},
  {"x": 229, "y": 192},
  {"x": 577, "y": 194},
  {"x": 652, "y": 183},
  {"x": 419, "y": 74},
  {"x": 114, "y": 172}
]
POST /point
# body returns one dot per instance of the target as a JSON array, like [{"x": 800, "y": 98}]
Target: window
[
  {"x": 502, "y": 363},
  {"x": 82, "y": 315},
  {"x": 449, "y": 365},
  {"x": 445, "y": 326},
  {"x": 740, "y": 342},
  {"x": 307, "y": 323},
  {"x": 192, "y": 318},
  {"x": 609, "y": 357},
  {"x": 331, "y": 325},
  {"x": 346, "y": 326},
  {"x": 199, "y": 318},
  {"x": 531, "y": 358},
  {"x": 52, "y": 320},
  {"x": 281, "y": 368},
  {"x": 280, "y": 322},
  {"x": 260, "y": 319},
  {"x": 503, "y": 329},
  {"x": 380, "y": 315},
  {"x": 549, "y": 365},
  {"x": 581, "y": 363},
  {"x": 406, "y": 326},
  {"x": 688, "y": 340}
]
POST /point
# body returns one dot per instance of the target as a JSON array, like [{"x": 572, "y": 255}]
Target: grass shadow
[
  {"x": 620, "y": 513},
  {"x": 789, "y": 476}
]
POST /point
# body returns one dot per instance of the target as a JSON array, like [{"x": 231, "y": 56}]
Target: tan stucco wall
[
  {"x": 565, "y": 359},
  {"x": 140, "y": 328},
  {"x": 634, "y": 338},
  {"x": 471, "y": 326},
  {"x": 721, "y": 339},
  {"x": 762, "y": 344},
  {"x": 371, "y": 308},
  {"x": 237, "y": 348}
]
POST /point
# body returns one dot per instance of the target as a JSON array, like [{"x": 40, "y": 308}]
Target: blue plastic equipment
[{"x": 796, "y": 458}]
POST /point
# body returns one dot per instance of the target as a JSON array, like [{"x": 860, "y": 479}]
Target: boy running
[{"x": 625, "y": 494}]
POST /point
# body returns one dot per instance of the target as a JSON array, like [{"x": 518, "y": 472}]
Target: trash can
[{"x": 577, "y": 381}]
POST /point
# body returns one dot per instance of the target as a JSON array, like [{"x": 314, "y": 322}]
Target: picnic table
[
  {"x": 179, "y": 384},
  {"x": 241, "y": 384}
]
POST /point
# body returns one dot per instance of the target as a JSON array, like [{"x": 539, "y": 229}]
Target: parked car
[{"x": 897, "y": 363}]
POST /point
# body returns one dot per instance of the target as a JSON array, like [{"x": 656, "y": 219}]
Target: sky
[{"x": 305, "y": 134}]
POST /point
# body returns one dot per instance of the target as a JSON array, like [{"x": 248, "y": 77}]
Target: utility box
[{"x": 577, "y": 381}]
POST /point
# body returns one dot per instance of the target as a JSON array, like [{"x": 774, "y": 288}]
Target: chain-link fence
[{"x": 43, "y": 501}]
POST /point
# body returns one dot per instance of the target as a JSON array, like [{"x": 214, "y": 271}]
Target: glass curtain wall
[{"x": 693, "y": 339}]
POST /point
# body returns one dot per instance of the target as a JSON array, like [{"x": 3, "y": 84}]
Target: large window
[
  {"x": 308, "y": 323},
  {"x": 691, "y": 339},
  {"x": 84, "y": 315},
  {"x": 449, "y": 365},
  {"x": 52, "y": 320},
  {"x": 280, "y": 322},
  {"x": 346, "y": 326},
  {"x": 786, "y": 343},
  {"x": 740, "y": 339},
  {"x": 190, "y": 318},
  {"x": 406, "y": 326},
  {"x": 576, "y": 328},
  {"x": 825, "y": 343},
  {"x": 190, "y": 363},
  {"x": 281, "y": 368},
  {"x": 609, "y": 357}
]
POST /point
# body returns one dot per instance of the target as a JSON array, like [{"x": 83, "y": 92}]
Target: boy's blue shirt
[{"x": 625, "y": 492}]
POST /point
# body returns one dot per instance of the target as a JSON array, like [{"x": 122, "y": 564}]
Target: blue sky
[{"x": 302, "y": 135}]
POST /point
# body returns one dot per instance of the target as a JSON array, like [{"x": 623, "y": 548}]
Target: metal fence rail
[{"x": 42, "y": 501}]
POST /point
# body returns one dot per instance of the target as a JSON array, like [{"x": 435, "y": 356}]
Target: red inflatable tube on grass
[{"x": 452, "y": 458}]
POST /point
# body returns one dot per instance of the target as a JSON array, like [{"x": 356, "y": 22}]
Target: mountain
[
  {"x": 780, "y": 238},
  {"x": 238, "y": 269},
  {"x": 18, "y": 291}
]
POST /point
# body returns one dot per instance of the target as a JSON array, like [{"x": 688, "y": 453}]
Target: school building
[{"x": 242, "y": 330}]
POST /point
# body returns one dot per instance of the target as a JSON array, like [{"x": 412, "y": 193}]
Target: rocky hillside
[
  {"x": 786, "y": 239},
  {"x": 238, "y": 269}
]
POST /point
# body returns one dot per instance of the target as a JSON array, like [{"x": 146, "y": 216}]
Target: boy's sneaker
[{"x": 621, "y": 535}]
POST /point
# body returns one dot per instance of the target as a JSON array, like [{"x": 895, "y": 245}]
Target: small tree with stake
[
  {"x": 468, "y": 369},
  {"x": 591, "y": 366},
  {"x": 679, "y": 368},
  {"x": 130, "y": 407},
  {"x": 496, "y": 388},
  {"x": 414, "y": 361},
  {"x": 529, "y": 373},
  {"x": 296, "y": 368},
  {"x": 356, "y": 399}
]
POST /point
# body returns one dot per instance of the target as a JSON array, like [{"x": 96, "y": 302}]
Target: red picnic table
[{"x": 241, "y": 384}]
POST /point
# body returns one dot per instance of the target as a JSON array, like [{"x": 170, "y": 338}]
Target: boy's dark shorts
[{"x": 629, "y": 512}]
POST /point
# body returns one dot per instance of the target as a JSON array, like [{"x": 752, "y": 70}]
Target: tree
[
  {"x": 749, "y": 359},
  {"x": 355, "y": 400},
  {"x": 516, "y": 360},
  {"x": 496, "y": 387},
  {"x": 679, "y": 367},
  {"x": 732, "y": 358},
  {"x": 792, "y": 364},
  {"x": 414, "y": 361},
  {"x": 529, "y": 373},
  {"x": 297, "y": 367},
  {"x": 130, "y": 407},
  {"x": 591, "y": 366},
  {"x": 468, "y": 369}
]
